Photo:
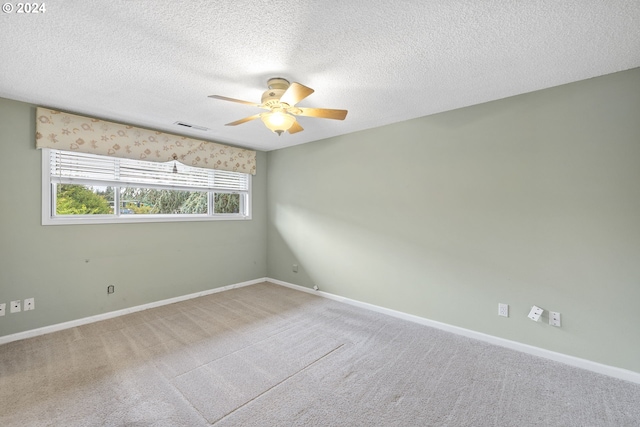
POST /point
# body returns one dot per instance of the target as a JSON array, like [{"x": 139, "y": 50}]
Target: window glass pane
[
  {"x": 162, "y": 202},
  {"x": 74, "y": 199},
  {"x": 226, "y": 203}
]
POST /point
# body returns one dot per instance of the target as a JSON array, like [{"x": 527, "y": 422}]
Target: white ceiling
[{"x": 152, "y": 63}]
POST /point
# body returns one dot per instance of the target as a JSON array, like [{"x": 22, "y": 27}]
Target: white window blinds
[{"x": 81, "y": 168}]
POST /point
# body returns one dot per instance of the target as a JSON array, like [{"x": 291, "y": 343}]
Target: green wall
[
  {"x": 533, "y": 199},
  {"x": 67, "y": 268}
]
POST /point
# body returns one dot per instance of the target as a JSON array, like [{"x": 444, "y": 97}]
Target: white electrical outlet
[
  {"x": 29, "y": 304},
  {"x": 3, "y": 308},
  {"x": 535, "y": 313},
  {"x": 15, "y": 307},
  {"x": 503, "y": 310},
  {"x": 554, "y": 318},
  {"x": 295, "y": 268}
]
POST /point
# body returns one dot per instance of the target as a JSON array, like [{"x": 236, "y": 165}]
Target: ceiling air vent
[{"x": 187, "y": 125}]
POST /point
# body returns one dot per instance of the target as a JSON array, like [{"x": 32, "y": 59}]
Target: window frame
[{"x": 50, "y": 218}]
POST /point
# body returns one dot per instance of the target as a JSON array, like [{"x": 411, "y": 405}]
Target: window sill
[{"x": 136, "y": 219}]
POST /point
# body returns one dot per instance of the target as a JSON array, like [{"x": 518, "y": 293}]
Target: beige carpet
[{"x": 266, "y": 355}]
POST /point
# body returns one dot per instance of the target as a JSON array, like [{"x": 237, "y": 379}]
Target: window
[{"x": 81, "y": 188}]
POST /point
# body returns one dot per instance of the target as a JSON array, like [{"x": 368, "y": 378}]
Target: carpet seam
[
  {"x": 233, "y": 352},
  {"x": 279, "y": 383}
]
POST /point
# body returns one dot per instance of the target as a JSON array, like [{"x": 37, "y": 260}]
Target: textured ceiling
[{"x": 152, "y": 63}]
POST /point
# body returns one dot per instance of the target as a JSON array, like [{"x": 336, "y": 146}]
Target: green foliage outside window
[
  {"x": 151, "y": 201},
  {"x": 80, "y": 200},
  {"x": 226, "y": 203},
  {"x": 86, "y": 200}
]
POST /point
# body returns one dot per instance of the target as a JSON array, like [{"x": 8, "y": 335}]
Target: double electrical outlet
[{"x": 18, "y": 306}]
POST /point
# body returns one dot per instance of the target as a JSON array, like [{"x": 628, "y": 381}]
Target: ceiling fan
[{"x": 280, "y": 100}]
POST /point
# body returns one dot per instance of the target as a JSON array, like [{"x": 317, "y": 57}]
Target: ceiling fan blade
[
  {"x": 295, "y": 128},
  {"x": 240, "y": 101},
  {"x": 295, "y": 93},
  {"x": 241, "y": 121},
  {"x": 323, "y": 113}
]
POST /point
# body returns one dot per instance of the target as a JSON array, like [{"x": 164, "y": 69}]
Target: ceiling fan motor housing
[{"x": 277, "y": 87}]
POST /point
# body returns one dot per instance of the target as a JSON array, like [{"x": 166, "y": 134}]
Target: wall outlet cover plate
[
  {"x": 554, "y": 319},
  {"x": 535, "y": 313},
  {"x": 15, "y": 306},
  {"x": 503, "y": 310}
]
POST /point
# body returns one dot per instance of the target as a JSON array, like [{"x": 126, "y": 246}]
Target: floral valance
[{"x": 64, "y": 131}]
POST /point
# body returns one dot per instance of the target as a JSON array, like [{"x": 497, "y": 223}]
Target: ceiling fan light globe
[{"x": 278, "y": 121}]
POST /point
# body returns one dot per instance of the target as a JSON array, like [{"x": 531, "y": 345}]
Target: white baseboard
[
  {"x": 79, "y": 322},
  {"x": 577, "y": 362}
]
